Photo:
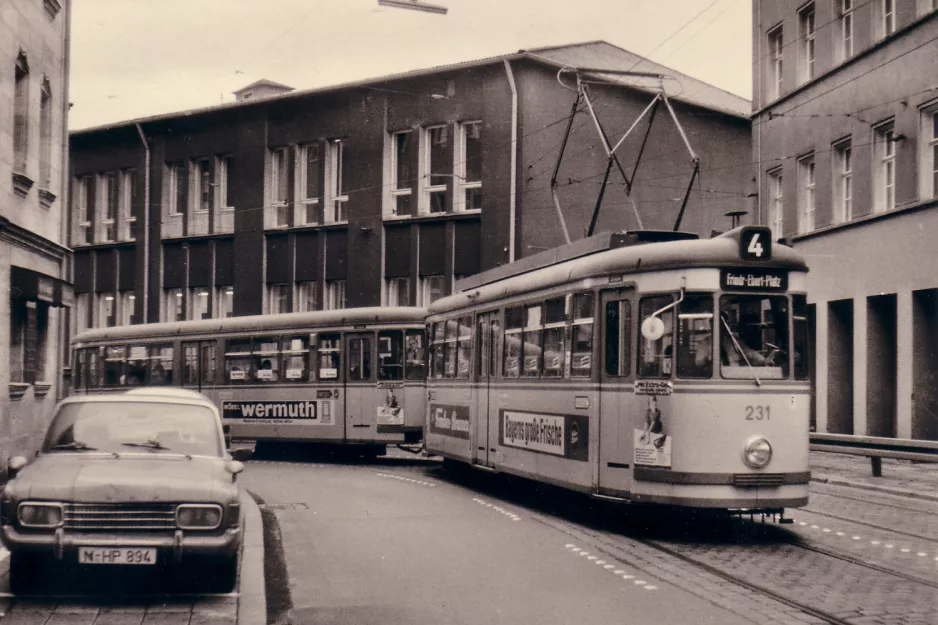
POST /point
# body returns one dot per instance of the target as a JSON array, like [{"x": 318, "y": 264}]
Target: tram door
[
  {"x": 487, "y": 356},
  {"x": 615, "y": 423},
  {"x": 199, "y": 365},
  {"x": 361, "y": 405}
]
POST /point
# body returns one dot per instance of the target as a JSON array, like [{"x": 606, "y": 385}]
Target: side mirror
[
  {"x": 16, "y": 464},
  {"x": 242, "y": 454}
]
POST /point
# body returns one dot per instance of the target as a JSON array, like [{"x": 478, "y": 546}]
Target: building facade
[
  {"x": 845, "y": 138},
  {"x": 34, "y": 288},
  {"x": 381, "y": 192}
]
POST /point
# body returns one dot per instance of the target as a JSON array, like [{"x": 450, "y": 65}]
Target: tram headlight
[{"x": 757, "y": 452}]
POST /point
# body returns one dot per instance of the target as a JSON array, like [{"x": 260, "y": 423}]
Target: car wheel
[{"x": 24, "y": 573}]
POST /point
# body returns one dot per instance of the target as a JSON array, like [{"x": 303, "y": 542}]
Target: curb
[
  {"x": 889, "y": 490},
  {"x": 252, "y": 599}
]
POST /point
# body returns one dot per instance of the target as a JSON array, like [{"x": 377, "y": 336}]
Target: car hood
[{"x": 90, "y": 477}]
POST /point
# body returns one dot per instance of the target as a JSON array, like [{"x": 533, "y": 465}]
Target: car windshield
[{"x": 135, "y": 426}]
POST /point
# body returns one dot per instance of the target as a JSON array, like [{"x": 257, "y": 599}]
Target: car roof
[
  {"x": 188, "y": 397},
  {"x": 167, "y": 391}
]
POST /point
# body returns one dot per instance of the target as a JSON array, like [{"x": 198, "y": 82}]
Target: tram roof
[
  {"x": 610, "y": 253},
  {"x": 260, "y": 323}
]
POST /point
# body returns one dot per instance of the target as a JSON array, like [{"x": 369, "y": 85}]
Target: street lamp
[{"x": 414, "y": 5}]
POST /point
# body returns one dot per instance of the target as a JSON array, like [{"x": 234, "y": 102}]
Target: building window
[
  {"x": 888, "y": 15},
  {"x": 309, "y": 175},
  {"x": 398, "y": 292},
  {"x": 402, "y": 172},
  {"x": 128, "y": 199},
  {"x": 21, "y": 114},
  {"x": 928, "y": 186},
  {"x": 29, "y": 331},
  {"x": 776, "y": 206},
  {"x": 438, "y": 148},
  {"x": 224, "y": 216},
  {"x": 81, "y": 203},
  {"x": 843, "y": 181},
  {"x": 224, "y": 302},
  {"x": 45, "y": 136},
  {"x": 278, "y": 299},
  {"x": 107, "y": 205},
  {"x": 845, "y": 49},
  {"x": 307, "y": 296},
  {"x": 432, "y": 288},
  {"x": 107, "y": 310},
  {"x": 199, "y": 303},
  {"x": 470, "y": 166},
  {"x": 174, "y": 305},
  {"x": 335, "y": 295},
  {"x": 806, "y": 200},
  {"x": 775, "y": 63},
  {"x": 279, "y": 188},
  {"x": 202, "y": 179},
  {"x": 884, "y": 175},
  {"x": 337, "y": 207},
  {"x": 127, "y": 305},
  {"x": 806, "y": 25}
]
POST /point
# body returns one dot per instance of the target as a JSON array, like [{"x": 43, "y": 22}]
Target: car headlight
[
  {"x": 757, "y": 452},
  {"x": 39, "y": 514},
  {"x": 198, "y": 516}
]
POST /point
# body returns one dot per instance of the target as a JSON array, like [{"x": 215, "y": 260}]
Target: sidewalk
[{"x": 900, "y": 477}]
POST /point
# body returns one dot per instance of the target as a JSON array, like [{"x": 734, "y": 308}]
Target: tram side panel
[{"x": 450, "y": 415}]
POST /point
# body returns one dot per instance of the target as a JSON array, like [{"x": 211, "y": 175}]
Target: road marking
[
  {"x": 620, "y": 571},
  {"x": 826, "y": 530},
  {"x": 508, "y": 513},
  {"x": 922, "y": 554},
  {"x": 650, "y": 587},
  {"x": 591, "y": 558},
  {"x": 609, "y": 567},
  {"x": 888, "y": 546},
  {"x": 640, "y": 582},
  {"x": 856, "y": 537},
  {"x": 600, "y": 562},
  {"x": 905, "y": 550},
  {"x": 875, "y": 542},
  {"x": 405, "y": 479},
  {"x": 840, "y": 533}
]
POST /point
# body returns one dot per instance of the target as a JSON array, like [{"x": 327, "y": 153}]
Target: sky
[{"x": 137, "y": 58}]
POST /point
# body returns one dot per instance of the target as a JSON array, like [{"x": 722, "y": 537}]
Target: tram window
[
  {"x": 439, "y": 349},
  {"x": 581, "y": 362},
  {"x": 618, "y": 338},
  {"x": 514, "y": 322},
  {"x": 654, "y": 358},
  {"x": 161, "y": 365},
  {"x": 207, "y": 363},
  {"x": 451, "y": 335},
  {"x": 190, "y": 366},
  {"x": 329, "y": 356},
  {"x": 113, "y": 365},
  {"x": 391, "y": 355},
  {"x": 754, "y": 336},
  {"x": 359, "y": 359},
  {"x": 415, "y": 357},
  {"x": 266, "y": 355},
  {"x": 79, "y": 375},
  {"x": 695, "y": 336},
  {"x": 295, "y": 350},
  {"x": 135, "y": 370},
  {"x": 532, "y": 341},
  {"x": 554, "y": 330},
  {"x": 239, "y": 364},
  {"x": 463, "y": 348},
  {"x": 800, "y": 335},
  {"x": 94, "y": 367}
]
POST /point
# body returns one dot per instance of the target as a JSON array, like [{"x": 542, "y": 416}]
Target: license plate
[{"x": 116, "y": 555}]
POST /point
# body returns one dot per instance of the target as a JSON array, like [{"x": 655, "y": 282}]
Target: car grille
[
  {"x": 106, "y": 517},
  {"x": 758, "y": 479}
]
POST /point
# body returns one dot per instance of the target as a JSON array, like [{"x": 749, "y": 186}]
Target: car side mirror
[
  {"x": 234, "y": 467},
  {"x": 16, "y": 464},
  {"x": 242, "y": 454}
]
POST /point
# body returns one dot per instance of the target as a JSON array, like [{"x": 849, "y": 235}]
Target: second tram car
[
  {"x": 353, "y": 376},
  {"x": 648, "y": 367}
]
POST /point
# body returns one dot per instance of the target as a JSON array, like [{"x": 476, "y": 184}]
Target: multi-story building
[
  {"x": 381, "y": 192},
  {"x": 34, "y": 291},
  {"x": 845, "y": 138}
]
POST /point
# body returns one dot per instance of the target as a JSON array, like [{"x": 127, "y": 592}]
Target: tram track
[{"x": 891, "y": 530}]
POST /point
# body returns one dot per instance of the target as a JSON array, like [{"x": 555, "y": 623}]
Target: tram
[
  {"x": 353, "y": 376},
  {"x": 646, "y": 367}
]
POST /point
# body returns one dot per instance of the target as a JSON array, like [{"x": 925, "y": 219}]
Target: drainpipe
[
  {"x": 66, "y": 271},
  {"x": 146, "y": 224},
  {"x": 512, "y": 198},
  {"x": 758, "y": 97}
]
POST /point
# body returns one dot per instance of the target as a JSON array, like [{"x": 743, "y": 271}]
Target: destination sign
[{"x": 753, "y": 280}]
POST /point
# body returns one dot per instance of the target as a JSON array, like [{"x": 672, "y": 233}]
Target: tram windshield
[{"x": 754, "y": 336}]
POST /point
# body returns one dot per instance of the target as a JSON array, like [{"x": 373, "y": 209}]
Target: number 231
[{"x": 757, "y": 413}]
